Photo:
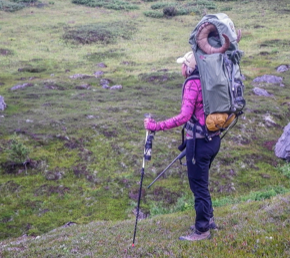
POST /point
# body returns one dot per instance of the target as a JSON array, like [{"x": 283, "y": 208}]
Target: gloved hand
[
  {"x": 150, "y": 124},
  {"x": 236, "y": 56}
]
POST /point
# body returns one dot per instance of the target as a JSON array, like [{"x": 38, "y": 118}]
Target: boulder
[
  {"x": 102, "y": 65},
  {"x": 83, "y": 87},
  {"x": 272, "y": 79},
  {"x": 21, "y": 86},
  {"x": 98, "y": 74},
  {"x": 261, "y": 92},
  {"x": 81, "y": 76},
  {"x": 116, "y": 87},
  {"x": 282, "y": 68},
  {"x": 282, "y": 147},
  {"x": 2, "y": 104}
]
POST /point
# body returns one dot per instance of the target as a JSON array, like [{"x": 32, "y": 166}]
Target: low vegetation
[
  {"x": 113, "y": 4},
  {"x": 251, "y": 229},
  {"x": 71, "y": 143},
  {"x": 104, "y": 33}
]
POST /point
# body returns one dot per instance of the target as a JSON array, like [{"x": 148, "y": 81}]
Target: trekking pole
[
  {"x": 180, "y": 156},
  {"x": 147, "y": 156}
]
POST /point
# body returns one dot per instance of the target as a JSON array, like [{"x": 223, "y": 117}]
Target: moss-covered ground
[{"x": 85, "y": 142}]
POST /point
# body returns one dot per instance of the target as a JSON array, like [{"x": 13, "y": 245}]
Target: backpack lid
[{"x": 223, "y": 24}]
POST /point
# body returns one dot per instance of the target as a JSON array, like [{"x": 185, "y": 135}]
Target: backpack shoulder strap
[{"x": 192, "y": 77}]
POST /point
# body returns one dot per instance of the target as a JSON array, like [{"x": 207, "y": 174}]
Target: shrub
[
  {"x": 186, "y": 11},
  {"x": 9, "y": 6},
  {"x": 104, "y": 33},
  {"x": 161, "y": 5},
  {"x": 113, "y": 4},
  {"x": 18, "y": 152},
  {"x": 226, "y": 9},
  {"x": 173, "y": 8},
  {"x": 23, "y": 1},
  {"x": 285, "y": 170},
  {"x": 169, "y": 11},
  {"x": 153, "y": 14}
]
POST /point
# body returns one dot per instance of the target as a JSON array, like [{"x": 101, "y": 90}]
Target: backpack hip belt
[{"x": 199, "y": 132}]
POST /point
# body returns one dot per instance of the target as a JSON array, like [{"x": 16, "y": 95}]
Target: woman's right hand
[{"x": 150, "y": 124}]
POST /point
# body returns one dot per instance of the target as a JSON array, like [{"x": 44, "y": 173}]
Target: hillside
[
  {"x": 250, "y": 229},
  {"x": 78, "y": 77}
]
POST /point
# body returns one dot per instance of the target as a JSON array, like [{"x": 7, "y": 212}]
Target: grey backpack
[{"x": 214, "y": 42}]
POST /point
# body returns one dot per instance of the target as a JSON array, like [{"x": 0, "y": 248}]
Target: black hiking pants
[{"x": 198, "y": 176}]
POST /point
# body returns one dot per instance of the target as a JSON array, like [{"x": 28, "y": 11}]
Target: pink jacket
[{"x": 191, "y": 104}]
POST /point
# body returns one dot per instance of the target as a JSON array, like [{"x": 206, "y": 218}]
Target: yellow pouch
[{"x": 218, "y": 121}]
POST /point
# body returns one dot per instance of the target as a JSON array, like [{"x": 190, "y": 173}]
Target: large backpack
[{"x": 214, "y": 42}]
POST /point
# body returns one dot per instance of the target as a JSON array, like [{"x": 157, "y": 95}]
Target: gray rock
[
  {"x": 105, "y": 86},
  {"x": 21, "y": 86},
  {"x": 102, "y": 65},
  {"x": 83, "y": 87},
  {"x": 269, "y": 121},
  {"x": 282, "y": 147},
  {"x": 2, "y": 104},
  {"x": 105, "y": 82},
  {"x": 269, "y": 79},
  {"x": 282, "y": 68},
  {"x": 261, "y": 92},
  {"x": 80, "y": 76},
  {"x": 68, "y": 224},
  {"x": 141, "y": 214},
  {"x": 116, "y": 87},
  {"x": 50, "y": 175},
  {"x": 98, "y": 74}
]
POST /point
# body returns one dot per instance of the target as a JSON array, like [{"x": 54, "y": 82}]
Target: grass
[
  {"x": 86, "y": 145},
  {"x": 251, "y": 229}
]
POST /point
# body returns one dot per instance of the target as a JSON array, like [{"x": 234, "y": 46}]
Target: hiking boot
[
  {"x": 212, "y": 225},
  {"x": 196, "y": 236}
]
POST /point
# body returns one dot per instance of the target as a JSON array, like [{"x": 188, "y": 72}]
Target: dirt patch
[
  {"x": 158, "y": 78},
  {"x": 165, "y": 195},
  {"x": 109, "y": 54},
  {"x": 10, "y": 187},
  {"x": 108, "y": 132},
  {"x": 17, "y": 168},
  {"x": 258, "y": 26},
  {"x": 49, "y": 190},
  {"x": 32, "y": 69},
  {"x": 32, "y": 96},
  {"x": 218, "y": 187},
  {"x": 80, "y": 170},
  {"x": 240, "y": 140},
  {"x": 269, "y": 145},
  {"x": 53, "y": 86},
  {"x": 264, "y": 53},
  {"x": 287, "y": 11},
  {"x": 134, "y": 194},
  {"x": 275, "y": 43},
  {"x": 5, "y": 52},
  {"x": 104, "y": 33}
]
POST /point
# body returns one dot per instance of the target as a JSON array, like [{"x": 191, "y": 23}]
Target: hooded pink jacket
[{"x": 191, "y": 104}]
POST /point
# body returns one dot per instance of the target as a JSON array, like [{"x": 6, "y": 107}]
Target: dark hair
[{"x": 195, "y": 71}]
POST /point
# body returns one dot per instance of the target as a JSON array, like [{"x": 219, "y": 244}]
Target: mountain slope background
[{"x": 78, "y": 77}]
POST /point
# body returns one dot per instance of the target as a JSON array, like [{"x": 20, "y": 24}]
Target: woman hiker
[{"x": 199, "y": 151}]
